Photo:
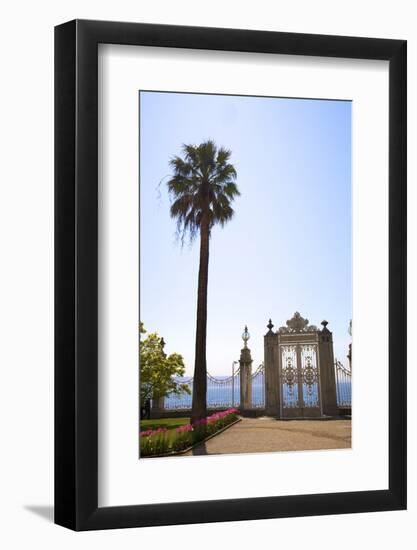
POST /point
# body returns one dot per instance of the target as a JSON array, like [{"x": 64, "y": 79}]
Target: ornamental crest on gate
[{"x": 297, "y": 324}]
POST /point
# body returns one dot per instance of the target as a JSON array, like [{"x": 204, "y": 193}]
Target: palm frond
[{"x": 202, "y": 181}]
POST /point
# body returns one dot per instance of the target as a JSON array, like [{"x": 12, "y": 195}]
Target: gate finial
[{"x": 270, "y": 325}]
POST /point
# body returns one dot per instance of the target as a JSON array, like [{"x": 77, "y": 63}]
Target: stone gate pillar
[
  {"x": 158, "y": 407},
  {"x": 271, "y": 357},
  {"x": 327, "y": 373},
  {"x": 349, "y": 356},
  {"x": 245, "y": 363}
]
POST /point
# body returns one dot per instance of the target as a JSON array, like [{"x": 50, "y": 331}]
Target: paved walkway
[{"x": 264, "y": 434}]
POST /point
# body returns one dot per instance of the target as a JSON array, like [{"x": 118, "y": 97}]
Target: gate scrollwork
[
  {"x": 289, "y": 376},
  {"x": 299, "y": 376},
  {"x": 309, "y": 372}
]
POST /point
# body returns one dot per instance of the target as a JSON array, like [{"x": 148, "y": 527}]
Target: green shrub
[{"x": 163, "y": 441}]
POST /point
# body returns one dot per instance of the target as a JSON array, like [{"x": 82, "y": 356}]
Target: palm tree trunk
[{"x": 199, "y": 403}]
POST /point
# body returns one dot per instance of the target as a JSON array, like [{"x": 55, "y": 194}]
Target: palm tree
[{"x": 202, "y": 189}]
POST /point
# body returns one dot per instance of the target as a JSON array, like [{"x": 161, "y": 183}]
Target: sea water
[{"x": 224, "y": 395}]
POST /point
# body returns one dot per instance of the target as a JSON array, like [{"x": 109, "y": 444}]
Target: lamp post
[
  {"x": 158, "y": 403},
  {"x": 245, "y": 337},
  {"x": 245, "y": 373}
]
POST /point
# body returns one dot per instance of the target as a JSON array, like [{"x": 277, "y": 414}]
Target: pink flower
[
  {"x": 184, "y": 428},
  {"x": 213, "y": 418},
  {"x": 151, "y": 433}
]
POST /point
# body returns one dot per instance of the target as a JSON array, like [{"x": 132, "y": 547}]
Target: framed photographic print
[{"x": 230, "y": 252}]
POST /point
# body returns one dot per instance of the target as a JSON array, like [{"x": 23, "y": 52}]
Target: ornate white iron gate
[
  {"x": 299, "y": 381},
  {"x": 299, "y": 370}
]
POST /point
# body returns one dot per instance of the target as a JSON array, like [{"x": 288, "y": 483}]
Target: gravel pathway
[{"x": 265, "y": 434}]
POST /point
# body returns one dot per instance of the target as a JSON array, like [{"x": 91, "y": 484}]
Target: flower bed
[{"x": 163, "y": 441}]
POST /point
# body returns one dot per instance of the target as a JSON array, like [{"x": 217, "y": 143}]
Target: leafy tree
[
  {"x": 202, "y": 188},
  {"x": 157, "y": 370}
]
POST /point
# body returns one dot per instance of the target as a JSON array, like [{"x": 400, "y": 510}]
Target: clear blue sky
[{"x": 288, "y": 246}]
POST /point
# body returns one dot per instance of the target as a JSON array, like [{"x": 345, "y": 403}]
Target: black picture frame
[{"x": 76, "y": 272}]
